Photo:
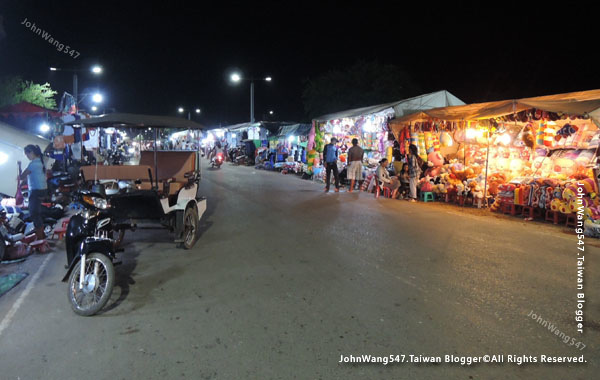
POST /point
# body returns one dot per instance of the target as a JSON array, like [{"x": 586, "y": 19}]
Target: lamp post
[
  {"x": 236, "y": 78},
  {"x": 189, "y": 112},
  {"x": 97, "y": 70}
]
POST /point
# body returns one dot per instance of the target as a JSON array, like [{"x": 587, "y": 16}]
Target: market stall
[
  {"x": 288, "y": 148},
  {"x": 370, "y": 126},
  {"x": 529, "y": 156}
]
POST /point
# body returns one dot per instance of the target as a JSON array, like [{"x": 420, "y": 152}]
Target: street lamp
[
  {"x": 270, "y": 112},
  {"x": 97, "y": 98},
  {"x": 236, "y": 78},
  {"x": 96, "y": 69},
  {"x": 189, "y": 114}
]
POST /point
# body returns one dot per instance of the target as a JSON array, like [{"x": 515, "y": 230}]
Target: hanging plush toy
[
  {"x": 566, "y": 131},
  {"x": 446, "y": 139},
  {"x": 527, "y": 136}
]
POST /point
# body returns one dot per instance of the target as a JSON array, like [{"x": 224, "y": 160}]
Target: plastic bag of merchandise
[{"x": 591, "y": 229}]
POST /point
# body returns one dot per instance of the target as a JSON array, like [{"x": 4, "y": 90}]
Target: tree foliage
[
  {"x": 14, "y": 90},
  {"x": 361, "y": 85}
]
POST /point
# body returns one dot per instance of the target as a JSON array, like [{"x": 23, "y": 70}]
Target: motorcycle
[
  {"x": 91, "y": 254},
  {"x": 217, "y": 160},
  {"x": 61, "y": 187}
]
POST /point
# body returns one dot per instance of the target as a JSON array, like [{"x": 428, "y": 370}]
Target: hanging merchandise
[
  {"x": 446, "y": 139},
  {"x": 539, "y": 135},
  {"x": 414, "y": 138},
  {"x": 428, "y": 142},
  {"x": 421, "y": 146},
  {"x": 527, "y": 136},
  {"x": 549, "y": 133},
  {"x": 436, "y": 143},
  {"x": 389, "y": 152}
]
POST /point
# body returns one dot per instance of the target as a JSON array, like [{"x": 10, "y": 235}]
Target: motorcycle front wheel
[{"x": 98, "y": 282}]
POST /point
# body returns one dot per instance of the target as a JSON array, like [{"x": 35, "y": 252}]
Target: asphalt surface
[{"x": 285, "y": 279}]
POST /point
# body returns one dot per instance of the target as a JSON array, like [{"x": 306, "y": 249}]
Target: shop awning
[
  {"x": 130, "y": 120},
  {"x": 573, "y": 103},
  {"x": 294, "y": 130},
  {"x": 272, "y": 126},
  {"x": 402, "y": 107},
  {"x": 25, "y": 109}
]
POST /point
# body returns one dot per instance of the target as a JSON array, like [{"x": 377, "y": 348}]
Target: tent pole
[
  {"x": 155, "y": 158},
  {"x": 487, "y": 160}
]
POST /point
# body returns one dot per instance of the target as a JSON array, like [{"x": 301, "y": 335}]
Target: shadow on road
[{"x": 123, "y": 277}]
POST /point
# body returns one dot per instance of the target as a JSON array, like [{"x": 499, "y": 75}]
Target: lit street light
[
  {"x": 236, "y": 78},
  {"x": 96, "y": 69},
  {"x": 270, "y": 112},
  {"x": 189, "y": 114},
  {"x": 97, "y": 98}
]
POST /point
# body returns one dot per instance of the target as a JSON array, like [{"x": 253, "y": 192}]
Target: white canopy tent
[
  {"x": 12, "y": 142},
  {"x": 400, "y": 108}
]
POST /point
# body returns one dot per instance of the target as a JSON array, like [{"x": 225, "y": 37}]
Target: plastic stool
[
  {"x": 530, "y": 211},
  {"x": 427, "y": 196},
  {"x": 553, "y": 216},
  {"x": 41, "y": 246},
  {"x": 571, "y": 220},
  {"x": 60, "y": 232},
  {"x": 386, "y": 192}
]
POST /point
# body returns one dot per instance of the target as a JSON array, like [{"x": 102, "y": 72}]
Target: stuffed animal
[
  {"x": 564, "y": 208},
  {"x": 527, "y": 136},
  {"x": 435, "y": 160},
  {"x": 555, "y": 204},
  {"x": 566, "y": 131},
  {"x": 446, "y": 139},
  {"x": 425, "y": 184}
]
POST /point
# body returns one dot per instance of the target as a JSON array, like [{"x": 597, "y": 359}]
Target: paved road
[{"x": 284, "y": 279}]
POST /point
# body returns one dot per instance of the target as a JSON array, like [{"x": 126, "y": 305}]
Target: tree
[
  {"x": 361, "y": 85},
  {"x": 14, "y": 90}
]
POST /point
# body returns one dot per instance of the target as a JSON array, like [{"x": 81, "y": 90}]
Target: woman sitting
[
  {"x": 384, "y": 178},
  {"x": 404, "y": 181}
]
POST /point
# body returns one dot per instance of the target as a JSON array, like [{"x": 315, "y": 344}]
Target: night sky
[{"x": 158, "y": 57}]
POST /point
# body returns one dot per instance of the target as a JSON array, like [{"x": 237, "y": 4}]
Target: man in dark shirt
[{"x": 330, "y": 156}]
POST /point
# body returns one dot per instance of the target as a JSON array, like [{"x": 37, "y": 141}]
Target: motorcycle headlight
[{"x": 97, "y": 202}]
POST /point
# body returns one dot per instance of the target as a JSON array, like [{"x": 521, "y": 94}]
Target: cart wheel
[{"x": 190, "y": 227}]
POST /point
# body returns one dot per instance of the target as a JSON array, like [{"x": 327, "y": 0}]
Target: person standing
[
  {"x": 414, "y": 170},
  {"x": 355, "y": 156},
  {"x": 330, "y": 155},
  {"x": 38, "y": 188}
]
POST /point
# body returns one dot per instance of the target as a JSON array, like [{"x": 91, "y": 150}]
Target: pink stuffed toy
[{"x": 435, "y": 161}]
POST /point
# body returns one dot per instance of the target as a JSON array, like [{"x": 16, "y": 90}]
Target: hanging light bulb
[{"x": 471, "y": 133}]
